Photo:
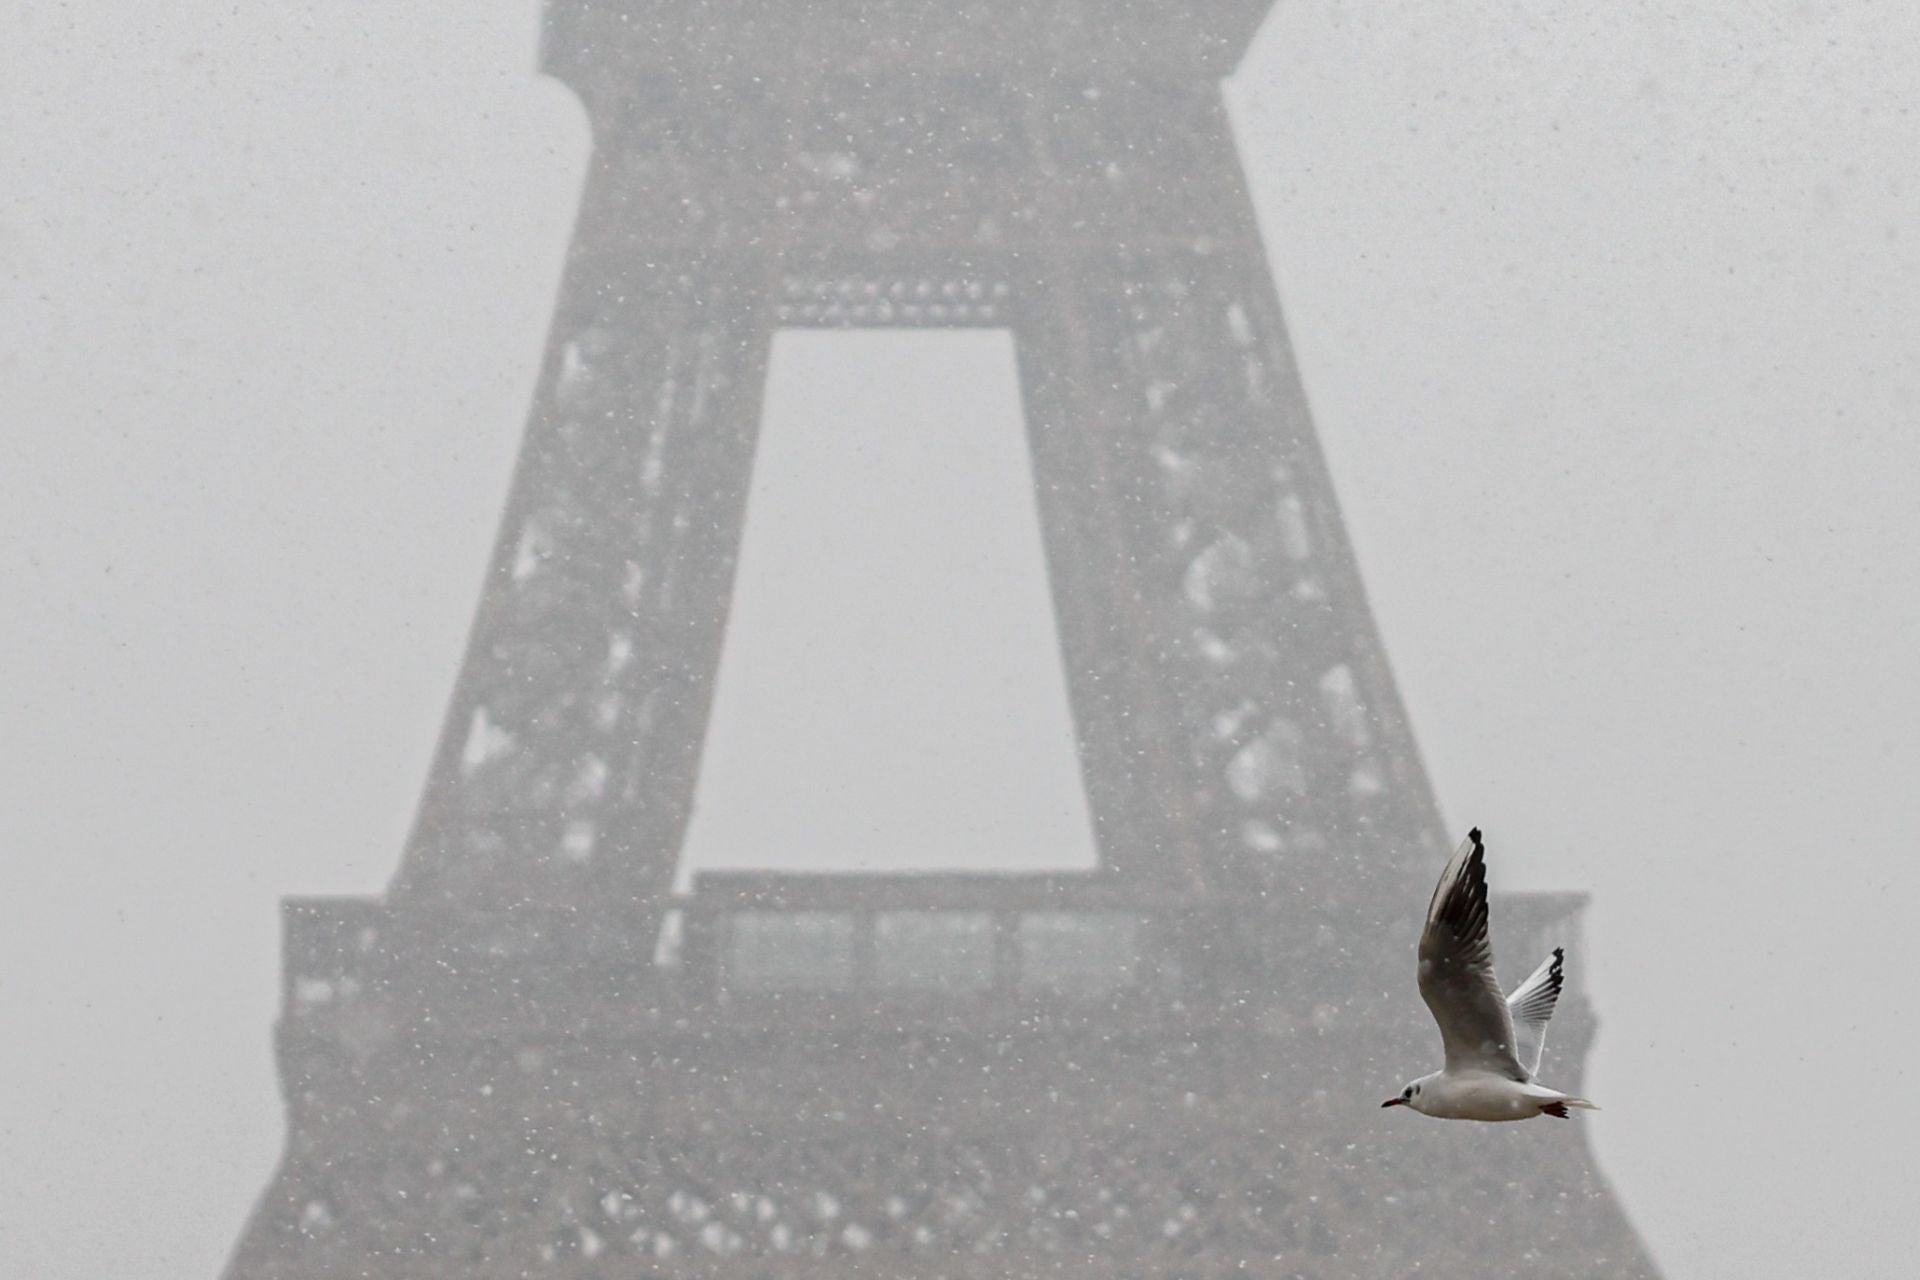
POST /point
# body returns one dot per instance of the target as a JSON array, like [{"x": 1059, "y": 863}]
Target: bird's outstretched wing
[
  {"x": 1456, "y": 969},
  {"x": 1531, "y": 1005}
]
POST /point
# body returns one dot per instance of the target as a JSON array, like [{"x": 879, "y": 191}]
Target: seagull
[{"x": 1493, "y": 1044}]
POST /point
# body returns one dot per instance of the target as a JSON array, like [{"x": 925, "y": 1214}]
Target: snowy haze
[
  {"x": 890, "y": 695},
  {"x": 1608, "y": 316}
]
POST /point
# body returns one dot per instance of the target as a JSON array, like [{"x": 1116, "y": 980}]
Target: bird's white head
[{"x": 1414, "y": 1095}]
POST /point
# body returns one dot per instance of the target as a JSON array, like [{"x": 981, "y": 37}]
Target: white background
[{"x": 1609, "y": 318}]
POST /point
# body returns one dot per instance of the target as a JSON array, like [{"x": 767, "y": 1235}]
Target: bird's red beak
[{"x": 1394, "y": 1102}]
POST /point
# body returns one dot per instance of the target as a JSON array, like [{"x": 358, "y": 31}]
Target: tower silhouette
[{"x": 530, "y": 1057}]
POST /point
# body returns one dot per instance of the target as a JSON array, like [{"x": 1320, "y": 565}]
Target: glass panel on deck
[
  {"x": 1077, "y": 952},
  {"x": 933, "y": 950},
  {"x": 791, "y": 951}
]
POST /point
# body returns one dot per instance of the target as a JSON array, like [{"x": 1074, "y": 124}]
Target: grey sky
[
  {"x": 891, "y": 693},
  {"x": 1609, "y": 318}
]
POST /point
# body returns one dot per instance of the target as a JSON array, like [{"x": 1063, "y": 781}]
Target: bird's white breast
[{"x": 1479, "y": 1095}]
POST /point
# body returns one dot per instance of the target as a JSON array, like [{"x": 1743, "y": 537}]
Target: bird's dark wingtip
[{"x": 1474, "y": 835}]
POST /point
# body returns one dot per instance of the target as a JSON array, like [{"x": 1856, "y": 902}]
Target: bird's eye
[{"x": 1408, "y": 1092}]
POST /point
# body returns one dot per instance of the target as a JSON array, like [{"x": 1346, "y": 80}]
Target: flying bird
[{"x": 1493, "y": 1043}]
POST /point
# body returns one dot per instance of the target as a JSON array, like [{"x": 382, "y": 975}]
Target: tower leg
[
  {"x": 1223, "y": 657},
  {"x": 566, "y": 769}
]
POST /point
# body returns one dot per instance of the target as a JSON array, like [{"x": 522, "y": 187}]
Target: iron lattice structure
[{"x": 496, "y": 1070}]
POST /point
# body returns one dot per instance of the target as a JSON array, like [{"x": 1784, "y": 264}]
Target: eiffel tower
[{"x": 531, "y": 1058}]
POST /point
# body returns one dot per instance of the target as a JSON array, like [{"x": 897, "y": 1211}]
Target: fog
[
  {"x": 1607, "y": 321},
  {"x": 841, "y": 589}
]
